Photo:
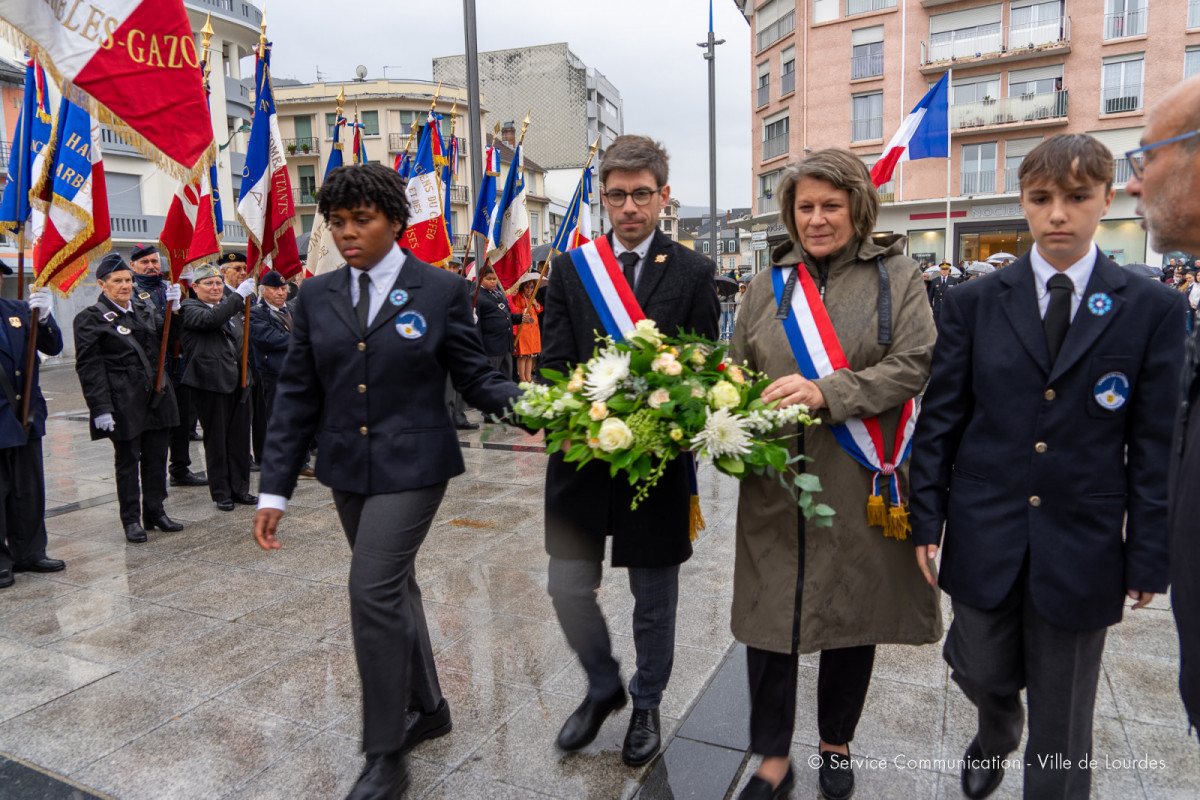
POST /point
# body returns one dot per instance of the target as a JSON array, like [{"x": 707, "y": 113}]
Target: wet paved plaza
[{"x": 199, "y": 666}]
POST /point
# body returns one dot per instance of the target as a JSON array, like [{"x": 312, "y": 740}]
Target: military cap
[
  {"x": 141, "y": 251},
  {"x": 111, "y": 263},
  {"x": 5, "y": 269},
  {"x": 232, "y": 257},
  {"x": 204, "y": 271},
  {"x": 273, "y": 279}
]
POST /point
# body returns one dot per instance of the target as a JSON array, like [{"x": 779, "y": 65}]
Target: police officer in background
[
  {"x": 22, "y": 483},
  {"x": 212, "y": 338},
  {"x": 116, "y": 357}
]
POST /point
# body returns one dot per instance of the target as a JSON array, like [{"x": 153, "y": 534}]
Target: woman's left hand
[{"x": 793, "y": 389}]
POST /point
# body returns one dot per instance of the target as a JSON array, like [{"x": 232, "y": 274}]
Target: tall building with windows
[{"x": 1021, "y": 70}]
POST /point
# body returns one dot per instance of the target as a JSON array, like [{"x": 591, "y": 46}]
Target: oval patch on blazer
[
  {"x": 1112, "y": 390},
  {"x": 411, "y": 325}
]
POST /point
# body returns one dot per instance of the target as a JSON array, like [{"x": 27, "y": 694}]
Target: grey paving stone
[
  {"x": 234, "y": 594},
  {"x": 218, "y": 659},
  {"x": 39, "y": 676},
  {"x": 63, "y": 616},
  {"x": 144, "y": 632},
  {"x": 722, "y": 715},
  {"x": 692, "y": 769},
  {"x": 316, "y": 687}
]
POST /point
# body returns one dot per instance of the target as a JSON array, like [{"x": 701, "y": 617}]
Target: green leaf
[
  {"x": 823, "y": 522},
  {"x": 734, "y": 466},
  {"x": 823, "y": 510},
  {"x": 808, "y": 482},
  {"x": 552, "y": 374}
]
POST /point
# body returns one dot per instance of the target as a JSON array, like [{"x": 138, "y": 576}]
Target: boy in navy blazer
[{"x": 1040, "y": 448}]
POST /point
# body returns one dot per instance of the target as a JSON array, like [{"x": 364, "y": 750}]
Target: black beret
[
  {"x": 111, "y": 263},
  {"x": 141, "y": 251},
  {"x": 232, "y": 257},
  {"x": 5, "y": 269},
  {"x": 273, "y": 279}
]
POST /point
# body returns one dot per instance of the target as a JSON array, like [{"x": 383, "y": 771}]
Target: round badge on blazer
[
  {"x": 398, "y": 298},
  {"x": 411, "y": 325},
  {"x": 121, "y": 329},
  {"x": 1099, "y": 304},
  {"x": 1112, "y": 390}
]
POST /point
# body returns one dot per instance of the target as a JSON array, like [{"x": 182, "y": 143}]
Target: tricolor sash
[
  {"x": 818, "y": 353},
  {"x": 604, "y": 281}
]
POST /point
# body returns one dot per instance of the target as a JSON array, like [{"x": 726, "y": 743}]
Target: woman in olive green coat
[{"x": 839, "y": 591}]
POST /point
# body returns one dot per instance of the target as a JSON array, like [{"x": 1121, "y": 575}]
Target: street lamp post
[
  {"x": 473, "y": 120},
  {"x": 710, "y": 55}
]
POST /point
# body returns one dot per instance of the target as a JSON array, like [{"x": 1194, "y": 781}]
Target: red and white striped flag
[{"x": 189, "y": 234}]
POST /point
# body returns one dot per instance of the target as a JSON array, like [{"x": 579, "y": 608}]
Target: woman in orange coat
[{"x": 529, "y": 336}]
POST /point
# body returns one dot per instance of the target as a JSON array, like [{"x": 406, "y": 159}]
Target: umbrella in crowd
[
  {"x": 726, "y": 286},
  {"x": 980, "y": 268},
  {"x": 934, "y": 270},
  {"x": 1144, "y": 270},
  {"x": 996, "y": 258}
]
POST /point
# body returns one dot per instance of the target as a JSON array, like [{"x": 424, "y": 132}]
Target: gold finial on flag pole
[
  {"x": 525, "y": 126},
  {"x": 262, "y": 33},
  {"x": 437, "y": 93},
  {"x": 341, "y": 99}
]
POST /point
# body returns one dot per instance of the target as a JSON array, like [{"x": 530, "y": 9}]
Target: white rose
[
  {"x": 697, "y": 391},
  {"x": 646, "y": 331},
  {"x": 699, "y": 357},
  {"x": 658, "y": 397},
  {"x": 724, "y": 394},
  {"x": 598, "y": 411},
  {"x": 662, "y": 363},
  {"x": 614, "y": 435},
  {"x": 575, "y": 385},
  {"x": 673, "y": 368},
  {"x": 735, "y": 374}
]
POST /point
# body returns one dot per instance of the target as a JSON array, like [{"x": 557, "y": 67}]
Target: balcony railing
[
  {"x": 1012, "y": 183},
  {"x": 776, "y": 30},
  {"x": 866, "y": 129},
  {"x": 978, "y": 183},
  {"x": 985, "y": 40},
  {"x": 787, "y": 83},
  {"x": 304, "y": 196},
  {"x": 110, "y": 143},
  {"x": 458, "y": 194},
  {"x": 866, "y": 66},
  {"x": 1019, "y": 110},
  {"x": 398, "y": 141},
  {"x": 1116, "y": 99},
  {"x": 1193, "y": 14},
  {"x": 864, "y": 6},
  {"x": 4, "y": 154},
  {"x": 309, "y": 146},
  {"x": 887, "y": 192},
  {"x": 1125, "y": 23},
  {"x": 767, "y": 204},
  {"x": 764, "y": 95},
  {"x": 775, "y": 146},
  {"x": 460, "y": 241},
  {"x": 234, "y": 232},
  {"x": 1122, "y": 172}
]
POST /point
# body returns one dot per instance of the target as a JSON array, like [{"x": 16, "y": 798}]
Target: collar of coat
[{"x": 856, "y": 250}]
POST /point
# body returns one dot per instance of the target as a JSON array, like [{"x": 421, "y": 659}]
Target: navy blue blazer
[
  {"x": 377, "y": 403},
  {"x": 1062, "y": 463},
  {"x": 269, "y": 338},
  {"x": 12, "y": 361}
]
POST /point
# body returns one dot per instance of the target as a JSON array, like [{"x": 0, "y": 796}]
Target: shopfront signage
[{"x": 1004, "y": 210}]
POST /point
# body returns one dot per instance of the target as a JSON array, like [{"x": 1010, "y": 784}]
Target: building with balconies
[{"x": 1021, "y": 70}]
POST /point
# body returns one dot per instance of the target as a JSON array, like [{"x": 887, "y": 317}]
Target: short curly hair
[{"x": 365, "y": 185}]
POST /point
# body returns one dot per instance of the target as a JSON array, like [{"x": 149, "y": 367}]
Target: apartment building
[{"x": 1021, "y": 70}]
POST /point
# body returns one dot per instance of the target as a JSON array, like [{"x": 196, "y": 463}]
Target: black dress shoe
[
  {"x": 195, "y": 437},
  {"x": 384, "y": 778},
  {"x": 836, "y": 776},
  {"x": 760, "y": 789},
  {"x": 254, "y": 466},
  {"x": 162, "y": 522},
  {"x": 584, "y": 723},
  {"x": 246, "y": 499},
  {"x": 980, "y": 775},
  {"x": 6, "y": 578},
  {"x": 134, "y": 533},
  {"x": 42, "y": 564},
  {"x": 419, "y": 726},
  {"x": 642, "y": 740},
  {"x": 225, "y": 505},
  {"x": 188, "y": 478},
  {"x": 466, "y": 425}
]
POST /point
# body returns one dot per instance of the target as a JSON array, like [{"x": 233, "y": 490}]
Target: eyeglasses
[
  {"x": 641, "y": 197},
  {"x": 1137, "y": 158}
]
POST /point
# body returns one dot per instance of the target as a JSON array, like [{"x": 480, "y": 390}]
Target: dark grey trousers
[
  {"x": 391, "y": 638},
  {"x": 994, "y": 654},
  {"x": 572, "y": 584}
]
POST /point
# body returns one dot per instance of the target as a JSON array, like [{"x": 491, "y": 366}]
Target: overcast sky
[{"x": 646, "y": 48}]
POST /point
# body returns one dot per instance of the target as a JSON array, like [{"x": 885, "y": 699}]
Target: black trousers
[
  {"x": 147, "y": 453},
  {"x": 226, "y": 422},
  {"x": 391, "y": 637},
  {"x": 181, "y": 442},
  {"x": 842, "y": 682},
  {"x": 23, "y": 493}
]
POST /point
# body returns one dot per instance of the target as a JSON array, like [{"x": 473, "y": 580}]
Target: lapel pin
[
  {"x": 1099, "y": 304},
  {"x": 661, "y": 258},
  {"x": 14, "y": 321}
]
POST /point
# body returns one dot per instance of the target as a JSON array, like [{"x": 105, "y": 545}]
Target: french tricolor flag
[{"x": 924, "y": 133}]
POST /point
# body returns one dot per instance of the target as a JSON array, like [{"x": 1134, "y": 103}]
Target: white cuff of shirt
[{"x": 275, "y": 501}]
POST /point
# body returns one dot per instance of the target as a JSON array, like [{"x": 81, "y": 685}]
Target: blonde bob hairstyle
[{"x": 845, "y": 171}]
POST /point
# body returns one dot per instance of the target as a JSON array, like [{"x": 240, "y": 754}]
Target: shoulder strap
[{"x": 885, "y": 304}]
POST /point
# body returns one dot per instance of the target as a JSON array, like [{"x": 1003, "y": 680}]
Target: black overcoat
[
  {"x": 14, "y": 322},
  {"x": 269, "y": 338},
  {"x": 496, "y": 320},
  {"x": 1184, "y": 515},
  {"x": 212, "y": 340},
  {"x": 583, "y": 506}
]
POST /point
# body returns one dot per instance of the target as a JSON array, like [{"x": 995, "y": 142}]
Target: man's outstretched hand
[{"x": 265, "y": 523}]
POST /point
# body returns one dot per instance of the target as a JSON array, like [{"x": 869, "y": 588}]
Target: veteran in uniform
[
  {"x": 233, "y": 270},
  {"x": 117, "y": 342},
  {"x": 22, "y": 481}
]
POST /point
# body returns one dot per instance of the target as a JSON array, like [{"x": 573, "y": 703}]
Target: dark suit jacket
[
  {"x": 583, "y": 506},
  {"x": 1185, "y": 544},
  {"x": 212, "y": 339},
  {"x": 938, "y": 291},
  {"x": 1019, "y": 458},
  {"x": 12, "y": 361},
  {"x": 377, "y": 402},
  {"x": 496, "y": 322},
  {"x": 269, "y": 338},
  {"x": 117, "y": 370}
]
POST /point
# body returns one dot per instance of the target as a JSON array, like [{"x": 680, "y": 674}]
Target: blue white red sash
[
  {"x": 818, "y": 353},
  {"x": 604, "y": 281}
]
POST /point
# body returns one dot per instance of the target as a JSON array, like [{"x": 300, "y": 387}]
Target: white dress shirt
[
  {"x": 641, "y": 250},
  {"x": 1080, "y": 273}
]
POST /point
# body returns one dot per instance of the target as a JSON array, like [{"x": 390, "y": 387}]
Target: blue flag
[
  {"x": 32, "y": 137},
  {"x": 485, "y": 204},
  {"x": 335, "y": 157}
]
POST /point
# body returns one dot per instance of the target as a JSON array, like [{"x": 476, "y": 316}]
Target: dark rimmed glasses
[
  {"x": 1137, "y": 157},
  {"x": 641, "y": 197}
]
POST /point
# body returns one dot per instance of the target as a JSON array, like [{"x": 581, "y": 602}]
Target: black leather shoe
[
  {"x": 42, "y": 564},
  {"x": 254, "y": 466},
  {"x": 584, "y": 723},
  {"x": 162, "y": 522},
  {"x": 836, "y": 776},
  {"x": 419, "y": 726},
  {"x": 466, "y": 425},
  {"x": 246, "y": 499},
  {"x": 980, "y": 775},
  {"x": 193, "y": 436},
  {"x": 225, "y": 505},
  {"x": 642, "y": 739},
  {"x": 6, "y": 578},
  {"x": 760, "y": 789},
  {"x": 384, "y": 778},
  {"x": 188, "y": 478},
  {"x": 134, "y": 533}
]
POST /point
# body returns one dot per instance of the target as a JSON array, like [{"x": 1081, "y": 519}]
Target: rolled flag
[
  {"x": 323, "y": 255},
  {"x": 576, "y": 226},
  {"x": 28, "y": 159},
  {"x": 924, "y": 133},
  {"x": 508, "y": 249},
  {"x": 485, "y": 204}
]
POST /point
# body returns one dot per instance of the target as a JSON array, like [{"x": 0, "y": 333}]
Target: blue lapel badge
[
  {"x": 1099, "y": 304},
  {"x": 411, "y": 325},
  {"x": 1112, "y": 390},
  {"x": 398, "y": 298}
]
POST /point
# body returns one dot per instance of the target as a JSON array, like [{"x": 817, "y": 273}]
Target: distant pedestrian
[
  {"x": 528, "y": 335},
  {"x": 496, "y": 321}
]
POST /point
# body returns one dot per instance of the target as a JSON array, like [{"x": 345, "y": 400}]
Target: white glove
[
  {"x": 173, "y": 295},
  {"x": 105, "y": 422},
  {"x": 186, "y": 275},
  {"x": 40, "y": 300},
  {"x": 246, "y": 287}
]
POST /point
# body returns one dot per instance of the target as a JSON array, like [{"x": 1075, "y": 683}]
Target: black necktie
[
  {"x": 1058, "y": 313},
  {"x": 287, "y": 316},
  {"x": 363, "y": 309},
  {"x": 629, "y": 260}
]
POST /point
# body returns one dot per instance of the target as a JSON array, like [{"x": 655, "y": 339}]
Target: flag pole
[
  {"x": 474, "y": 121},
  {"x": 710, "y": 55},
  {"x": 948, "y": 249},
  {"x": 480, "y": 249},
  {"x": 31, "y": 341},
  {"x": 262, "y": 54}
]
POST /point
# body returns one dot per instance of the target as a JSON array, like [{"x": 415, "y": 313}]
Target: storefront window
[
  {"x": 982, "y": 245},
  {"x": 1122, "y": 240},
  {"x": 927, "y": 246}
]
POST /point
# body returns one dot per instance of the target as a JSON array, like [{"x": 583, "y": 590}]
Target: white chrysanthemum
[
  {"x": 723, "y": 435},
  {"x": 604, "y": 374}
]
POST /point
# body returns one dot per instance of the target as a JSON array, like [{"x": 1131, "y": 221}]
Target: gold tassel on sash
[
  {"x": 898, "y": 525},
  {"x": 876, "y": 513},
  {"x": 695, "y": 518}
]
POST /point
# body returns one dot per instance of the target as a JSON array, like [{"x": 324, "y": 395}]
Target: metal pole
[
  {"x": 710, "y": 55},
  {"x": 474, "y": 145}
]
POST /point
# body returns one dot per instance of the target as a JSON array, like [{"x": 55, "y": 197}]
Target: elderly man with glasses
[{"x": 1166, "y": 181}]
